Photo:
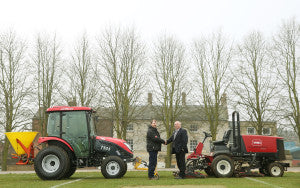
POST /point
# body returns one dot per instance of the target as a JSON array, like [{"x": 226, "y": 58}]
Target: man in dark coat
[
  {"x": 179, "y": 147},
  {"x": 153, "y": 146}
]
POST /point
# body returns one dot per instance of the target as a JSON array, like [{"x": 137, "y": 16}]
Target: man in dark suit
[{"x": 179, "y": 147}]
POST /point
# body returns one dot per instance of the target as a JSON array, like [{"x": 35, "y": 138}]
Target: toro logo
[{"x": 256, "y": 142}]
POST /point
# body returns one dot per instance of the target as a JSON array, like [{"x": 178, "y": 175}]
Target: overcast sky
[{"x": 186, "y": 19}]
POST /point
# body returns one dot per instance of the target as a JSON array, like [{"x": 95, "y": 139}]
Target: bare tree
[
  {"x": 122, "y": 57},
  {"x": 47, "y": 57},
  {"x": 14, "y": 88},
  {"x": 170, "y": 70},
  {"x": 212, "y": 56},
  {"x": 82, "y": 76},
  {"x": 286, "y": 57},
  {"x": 255, "y": 86}
]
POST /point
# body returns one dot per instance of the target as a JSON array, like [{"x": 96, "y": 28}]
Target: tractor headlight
[{"x": 128, "y": 146}]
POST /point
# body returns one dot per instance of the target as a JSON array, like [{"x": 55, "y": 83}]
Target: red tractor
[
  {"x": 239, "y": 156},
  {"x": 72, "y": 143}
]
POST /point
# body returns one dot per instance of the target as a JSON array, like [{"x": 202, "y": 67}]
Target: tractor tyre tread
[
  {"x": 63, "y": 168},
  {"x": 121, "y": 164}
]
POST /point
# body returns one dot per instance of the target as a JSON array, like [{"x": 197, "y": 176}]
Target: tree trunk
[
  {"x": 4, "y": 155},
  {"x": 168, "y": 158}
]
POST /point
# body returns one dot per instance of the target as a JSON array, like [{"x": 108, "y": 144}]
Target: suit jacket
[{"x": 180, "y": 141}]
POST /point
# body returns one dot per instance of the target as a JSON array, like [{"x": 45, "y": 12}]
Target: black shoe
[{"x": 154, "y": 178}]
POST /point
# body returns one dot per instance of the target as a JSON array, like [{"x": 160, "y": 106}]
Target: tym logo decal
[
  {"x": 104, "y": 148},
  {"x": 256, "y": 142}
]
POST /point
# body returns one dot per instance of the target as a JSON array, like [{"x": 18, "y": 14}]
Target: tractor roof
[{"x": 68, "y": 108}]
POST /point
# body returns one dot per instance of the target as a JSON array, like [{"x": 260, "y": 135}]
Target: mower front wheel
[
  {"x": 113, "y": 167},
  {"x": 209, "y": 171},
  {"x": 222, "y": 166},
  {"x": 275, "y": 169}
]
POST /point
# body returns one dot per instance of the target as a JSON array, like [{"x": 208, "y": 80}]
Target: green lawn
[{"x": 139, "y": 178}]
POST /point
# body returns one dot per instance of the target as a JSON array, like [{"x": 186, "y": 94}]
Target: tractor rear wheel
[
  {"x": 71, "y": 171},
  {"x": 275, "y": 169},
  {"x": 113, "y": 167},
  {"x": 222, "y": 166},
  {"x": 52, "y": 163}
]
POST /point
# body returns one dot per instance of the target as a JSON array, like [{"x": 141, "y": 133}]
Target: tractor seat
[{"x": 225, "y": 138}]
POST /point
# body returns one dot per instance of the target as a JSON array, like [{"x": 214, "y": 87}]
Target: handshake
[{"x": 165, "y": 143}]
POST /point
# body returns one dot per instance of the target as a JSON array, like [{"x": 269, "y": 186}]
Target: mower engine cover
[{"x": 261, "y": 144}]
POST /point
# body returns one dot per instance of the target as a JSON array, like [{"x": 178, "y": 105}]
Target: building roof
[
  {"x": 147, "y": 112},
  {"x": 68, "y": 108}
]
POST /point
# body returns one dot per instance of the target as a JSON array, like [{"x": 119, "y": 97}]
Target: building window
[
  {"x": 129, "y": 128},
  {"x": 250, "y": 130},
  {"x": 193, "y": 145},
  {"x": 130, "y": 142},
  {"x": 194, "y": 128},
  {"x": 266, "y": 131}
]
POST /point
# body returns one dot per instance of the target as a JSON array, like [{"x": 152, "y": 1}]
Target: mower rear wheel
[
  {"x": 222, "y": 166},
  {"x": 52, "y": 163},
  {"x": 113, "y": 167},
  {"x": 275, "y": 169}
]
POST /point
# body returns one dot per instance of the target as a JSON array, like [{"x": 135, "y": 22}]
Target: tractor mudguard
[{"x": 47, "y": 139}]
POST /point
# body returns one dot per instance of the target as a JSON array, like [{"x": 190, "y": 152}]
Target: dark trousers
[
  {"x": 180, "y": 159},
  {"x": 152, "y": 163}
]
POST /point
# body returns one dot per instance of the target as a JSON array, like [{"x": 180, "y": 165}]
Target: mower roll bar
[{"x": 236, "y": 138}]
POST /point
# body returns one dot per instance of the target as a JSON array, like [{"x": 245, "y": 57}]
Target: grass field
[{"x": 138, "y": 179}]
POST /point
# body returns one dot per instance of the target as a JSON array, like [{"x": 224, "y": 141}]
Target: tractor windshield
[{"x": 53, "y": 127}]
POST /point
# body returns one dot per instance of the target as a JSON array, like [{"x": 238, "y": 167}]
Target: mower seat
[{"x": 225, "y": 138}]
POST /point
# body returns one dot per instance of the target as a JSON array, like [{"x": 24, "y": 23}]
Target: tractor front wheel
[
  {"x": 222, "y": 166},
  {"x": 275, "y": 169},
  {"x": 52, "y": 163},
  {"x": 113, "y": 167}
]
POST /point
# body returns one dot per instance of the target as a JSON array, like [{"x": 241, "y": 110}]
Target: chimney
[
  {"x": 41, "y": 112},
  {"x": 72, "y": 102},
  {"x": 149, "y": 98},
  {"x": 183, "y": 98}
]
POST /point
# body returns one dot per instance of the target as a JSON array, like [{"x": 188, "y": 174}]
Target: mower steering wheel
[{"x": 207, "y": 134}]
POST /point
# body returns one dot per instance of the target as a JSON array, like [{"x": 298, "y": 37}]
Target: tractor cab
[
  {"x": 71, "y": 143},
  {"x": 75, "y": 125}
]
